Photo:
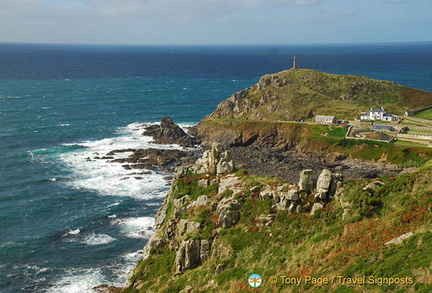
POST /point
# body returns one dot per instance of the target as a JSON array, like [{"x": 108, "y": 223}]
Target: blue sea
[{"x": 69, "y": 222}]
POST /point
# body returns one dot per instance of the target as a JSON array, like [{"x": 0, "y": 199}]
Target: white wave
[
  {"x": 64, "y": 124},
  {"x": 90, "y": 172},
  {"x": 141, "y": 227},
  {"x": 153, "y": 204},
  {"x": 98, "y": 239},
  {"x": 114, "y": 204},
  {"x": 9, "y": 97},
  {"x": 132, "y": 256},
  {"x": 72, "y": 232},
  {"x": 78, "y": 281}
]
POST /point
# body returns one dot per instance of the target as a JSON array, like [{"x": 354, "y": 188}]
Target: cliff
[{"x": 215, "y": 228}]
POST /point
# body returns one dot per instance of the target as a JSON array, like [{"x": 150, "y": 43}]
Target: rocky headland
[{"x": 275, "y": 197}]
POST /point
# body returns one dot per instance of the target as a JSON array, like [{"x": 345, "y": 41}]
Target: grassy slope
[
  {"x": 323, "y": 245},
  {"x": 425, "y": 115},
  {"x": 311, "y": 92}
]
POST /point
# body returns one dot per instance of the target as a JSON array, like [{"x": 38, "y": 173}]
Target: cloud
[{"x": 142, "y": 8}]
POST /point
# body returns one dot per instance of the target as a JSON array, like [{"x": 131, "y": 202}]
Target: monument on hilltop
[{"x": 295, "y": 63}]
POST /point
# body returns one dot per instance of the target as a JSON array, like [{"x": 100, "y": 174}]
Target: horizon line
[{"x": 214, "y": 45}]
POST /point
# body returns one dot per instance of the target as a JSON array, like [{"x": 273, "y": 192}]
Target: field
[{"x": 424, "y": 115}]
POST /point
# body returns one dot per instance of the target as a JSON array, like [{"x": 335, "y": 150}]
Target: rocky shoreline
[
  {"x": 287, "y": 165},
  {"x": 257, "y": 160}
]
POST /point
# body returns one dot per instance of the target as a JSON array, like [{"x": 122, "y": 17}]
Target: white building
[
  {"x": 377, "y": 114},
  {"x": 323, "y": 119}
]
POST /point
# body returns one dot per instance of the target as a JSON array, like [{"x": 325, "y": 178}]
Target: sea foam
[
  {"x": 98, "y": 239},
  {"x": 141, "y": 227},
  {"x": 90, "y": 172},
  {"x": 78, "y": 281}
]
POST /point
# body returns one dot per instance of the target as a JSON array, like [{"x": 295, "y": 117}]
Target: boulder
[
  {"x": 191, "y": 254},
  {"x": 180, "y": 172},
  {"x": 229, "y": 182},
  {"x": 228, "y": 210},
  {"x": 373, "y": 186},
  {"x": 228, "y": 219},
  {"x": 186, "y": 227},
  {"x": 316, "y": 206},
  {"x": 266, "y": 220},
  {"x": 324, "y": 184},
  {"x": 225, "y": 163},
  {"x": 187, "y": 256},
  {"x": 153, "y": 242},
  {"x": 203, "y": 183},
  {"x": 205, "y": 250},
  {"x": 293, "y": 195},
  {"x": 266, "y": 193},
  {"x": 169, "y": 133},
  {"x": 219, "y": 269},
  {"x": 307, "y": 180},
  {"x": 179, "y": 205},
  {"x": 215, "y": 161},
  {"x": 202, "y": 200},
  {"x": 400, "y": 239},
  {"x": 214, "y": 157}
]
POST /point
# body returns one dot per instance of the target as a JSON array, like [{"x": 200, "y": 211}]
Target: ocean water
[{"x": 69, "y": 222}]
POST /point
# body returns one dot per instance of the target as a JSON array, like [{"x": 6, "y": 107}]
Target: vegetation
[
  {"x": 303, "y": 93},
  {"x": 321, "y": 138},
  {"x": 336, "y": 241},
  {"x": 425, "y": 114},
  {"x": 345, "y": 243}
]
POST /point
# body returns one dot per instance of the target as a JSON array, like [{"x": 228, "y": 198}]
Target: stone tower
[{"x": 295, "y": 63}]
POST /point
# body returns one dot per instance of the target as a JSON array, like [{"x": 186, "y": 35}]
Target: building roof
[
  {"x": 377, "y": 110},
  {"x": 382, "y": 127},
  {"x": 324, "y": 117}
]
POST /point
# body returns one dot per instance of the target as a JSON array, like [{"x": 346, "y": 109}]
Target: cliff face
[
  {"x": 216, "y": 228},
  {"x": 302, "y": 93}
]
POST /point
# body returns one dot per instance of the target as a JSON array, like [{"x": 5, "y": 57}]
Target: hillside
[
  {"x": 303, "y": 93},
  {"x": 322, "y": 234},
  {"x": 329, "y": 231}
]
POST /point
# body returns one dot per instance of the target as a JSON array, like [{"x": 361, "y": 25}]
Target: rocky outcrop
[
  {"x": 182, "y": 219},
  {"x": 307, "y": 180},
  {"x": 324, "y": 184},
  {"x": 153, "y": 243},
  {"x": 191, "y": 254},
  {"x": 169, "y": 133},
  {"x": 215, "y": 161},
  {"x": 228, "y": 210},
  {"x": 152, "y": 159}
]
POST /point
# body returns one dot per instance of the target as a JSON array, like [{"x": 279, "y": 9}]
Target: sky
[{"x": 207, "y": 22}]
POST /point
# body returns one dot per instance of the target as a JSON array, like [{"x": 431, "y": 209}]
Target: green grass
[
  {"x": 424, "y": 115},
  {"x": 322, "y": 245},
  {"x": 404, "y": 143},
  {"x": 404, "y": 122}
]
